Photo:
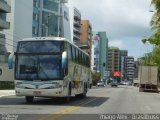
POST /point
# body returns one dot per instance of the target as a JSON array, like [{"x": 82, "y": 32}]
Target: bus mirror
[
  {"x": 64, "y": 60},
  {"x": 10, "y": 61}
]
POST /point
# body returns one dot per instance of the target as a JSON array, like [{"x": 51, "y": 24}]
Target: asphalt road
[{"x": 100, "y": 100}]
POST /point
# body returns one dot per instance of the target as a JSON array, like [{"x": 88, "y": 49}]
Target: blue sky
[{"x": 126, "y": 22}]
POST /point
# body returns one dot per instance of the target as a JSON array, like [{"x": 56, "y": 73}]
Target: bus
[{"x": 50, "y": 67}]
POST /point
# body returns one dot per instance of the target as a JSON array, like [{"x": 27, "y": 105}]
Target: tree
[{"x": 95, "y": 77}]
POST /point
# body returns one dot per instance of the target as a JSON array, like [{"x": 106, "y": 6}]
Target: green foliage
[
  {"x": 95, "y": 77},
  {"x": 5, "y": 85}
]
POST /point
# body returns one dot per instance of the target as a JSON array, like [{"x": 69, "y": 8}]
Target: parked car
[
  {"x": 114, "y": 83},
  {"x": 100, "y": 83},
  {"x": 123, "y": 83}
]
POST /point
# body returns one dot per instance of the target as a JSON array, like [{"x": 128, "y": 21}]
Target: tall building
[
  {"x": 7, "y": 75},
  {"x": 130, "y": 68},
  {"x": 123, "y": 54},
  {"x": 113, "y": 60},
  {"x": 136, "y": 67},
  {"x": 86, "y": 36},
  {"x": 37, "y": 18},
  {"x": 4, "y": 9},
  {"x": 101, "y": 51},
  {"x": 76, "y": 26}
]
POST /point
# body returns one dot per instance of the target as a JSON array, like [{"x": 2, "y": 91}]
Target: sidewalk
[{"x": 7, "y": 93}]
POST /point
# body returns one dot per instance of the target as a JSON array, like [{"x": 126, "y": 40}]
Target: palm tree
[{"x": 155, "y": 22}]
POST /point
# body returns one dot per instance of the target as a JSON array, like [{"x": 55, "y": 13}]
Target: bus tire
[
  {"x": 68, "y": 97},
  {"x": 29, "y": 99},
  {"x": 83, "y": 95}
]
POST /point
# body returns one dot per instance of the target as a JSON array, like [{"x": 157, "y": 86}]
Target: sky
[{"x": 126, "y": 22}]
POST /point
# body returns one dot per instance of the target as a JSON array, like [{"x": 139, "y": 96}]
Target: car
[
  {"x": 100, "y": 83},
  {"x": 114, "y": 83},
  {"x": 123, "y": 83}
]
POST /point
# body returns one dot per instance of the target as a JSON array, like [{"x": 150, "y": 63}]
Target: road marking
[{"x": 68, "y": 110}]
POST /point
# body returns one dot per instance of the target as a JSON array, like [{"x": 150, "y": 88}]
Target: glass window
[
  {"x": 51, "y": 5},
  {"x": 40, "y": 47},
  {"x": 34, "y": 30},
  {"x": 50, "y": 24},
  {"x": 38, "y": 67},
  {"x": 74, "y": 53},
  {"x": 36, "y": 3}
]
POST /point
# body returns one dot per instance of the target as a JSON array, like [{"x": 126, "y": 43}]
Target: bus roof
[{"x": 51, "y": 38}]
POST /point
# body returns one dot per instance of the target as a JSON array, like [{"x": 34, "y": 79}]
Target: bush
[{"x": 6, "y": 85}]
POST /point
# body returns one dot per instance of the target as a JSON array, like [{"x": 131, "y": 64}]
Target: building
[
  {"x": 130, "y": 68},
  {"x": 4, "y": 9},
  {"x": 37, "y": 18},
  {"x": 86, "y": 36},
  {"x": 7, "y": 75},
  {"x": 113, "y": 60},
  {"x": 100, "y": 53},
  {"x": 76, "y": 26},
  {"x": 123, "y": 54},
  {"x": 136, "y": 67}
]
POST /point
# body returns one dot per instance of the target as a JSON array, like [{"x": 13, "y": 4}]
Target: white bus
[{"x": 50, "y": 67}]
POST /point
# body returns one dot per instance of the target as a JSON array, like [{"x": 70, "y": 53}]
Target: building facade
[
  {"x": 100, "y": 52},
  {"x": 86, "y": 36},
  {"x": 136, "y": 69},
  {"x": 76, "y": 26},
  {"x": 37, "y": 18},
  {"x": 130, "y": 68},
  {"x": 4, "y": 24},
  {"x": 113, "y": 60},
  {"x": 123, "y": 54}
]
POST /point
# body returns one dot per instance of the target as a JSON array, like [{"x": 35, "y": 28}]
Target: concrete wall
[{"x": 7, "y": 74}]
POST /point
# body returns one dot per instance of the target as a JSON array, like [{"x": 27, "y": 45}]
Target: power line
[
  {"x": 9, "y": 45},
  {"x": 12, "y": 35},
  {"x": 10, "y": 40}
]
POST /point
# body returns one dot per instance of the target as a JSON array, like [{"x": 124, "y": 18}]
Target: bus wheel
[
  {"x": 83, "y": 95},
  {"x": 29, "y": 99},
  {"x": 68, "y": 98}
]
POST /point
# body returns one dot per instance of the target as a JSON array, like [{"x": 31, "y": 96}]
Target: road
[{"x": 102, "y": 100}]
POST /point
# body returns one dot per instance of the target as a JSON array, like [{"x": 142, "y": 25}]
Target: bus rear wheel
[{"x": 29, "y": 99}]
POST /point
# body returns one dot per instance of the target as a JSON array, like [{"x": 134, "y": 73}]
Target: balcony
[
  {"x": 4, "y": 24},
  {"x": 76, "y": 24},
  {"x": 4, "y": 7}
]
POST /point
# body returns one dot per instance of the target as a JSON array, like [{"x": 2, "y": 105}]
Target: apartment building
[
  {"x": 123, "y": 54},
  {"x": 86, "y": 36},
  {"x": 113, "y": 60},
  {"x": 4, "y": 10},
  {"x": 76, "y": 26},
  {"x": 130, "y": 68}
]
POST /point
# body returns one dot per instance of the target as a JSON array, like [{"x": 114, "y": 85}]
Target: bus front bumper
[{"x": 40, "y": 92}]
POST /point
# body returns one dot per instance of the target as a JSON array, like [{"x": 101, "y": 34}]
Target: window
[
  {"x": 35, "y": 16},
  {"x": 40, "y": 47},
  {"x": 51, "y": 5},
  {"x": 34, "y": 30},
  {"x": 35, "y": 3},
  {"x": 73, "y": 53}
]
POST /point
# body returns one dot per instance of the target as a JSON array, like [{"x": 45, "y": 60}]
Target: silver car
[{"x": 100, "y": 83}]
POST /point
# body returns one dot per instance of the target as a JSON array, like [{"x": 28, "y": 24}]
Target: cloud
[
  {"x": 120, "y": 18},
  {"x": 125, "y": 21}
]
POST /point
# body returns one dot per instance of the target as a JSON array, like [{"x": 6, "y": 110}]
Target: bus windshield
[
  {"x": 38, "y": 67},
  {"x": 40, "y": 46}
]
